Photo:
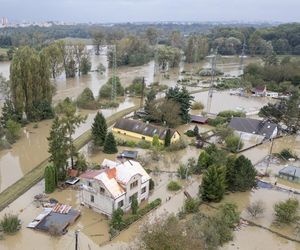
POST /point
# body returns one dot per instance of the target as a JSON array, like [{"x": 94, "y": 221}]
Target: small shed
[
  {"x": 290, "y": 173},
  {"x": 199, "y": 119},
  {"x": 128, "y": 154}
]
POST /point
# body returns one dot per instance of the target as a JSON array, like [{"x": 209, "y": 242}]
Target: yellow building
[{"x": 143, "y": 131}]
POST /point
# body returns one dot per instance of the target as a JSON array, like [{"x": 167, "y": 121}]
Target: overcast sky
[{"x": 151, "y": 10}]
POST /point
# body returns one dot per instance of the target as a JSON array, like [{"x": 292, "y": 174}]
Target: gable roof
[
  {"x": 115, "y": 175},
  {"x": 253, "y": 126},
  {"x": 142, "y": 128},
  {"x": 260, "y": 89}
]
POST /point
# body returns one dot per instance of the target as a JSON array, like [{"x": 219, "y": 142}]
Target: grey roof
[
  {"x": 142, "y": 128},
  {"x": 290, "y": 171},
  {"x": 253, "y": 126},
  {"x": 199, "y": 119},
  {"x": 129, "y": 154}
]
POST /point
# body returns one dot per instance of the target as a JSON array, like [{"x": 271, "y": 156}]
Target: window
[
  {"x": 119, "y": 132},
  {"x": 90, "y": 184},
  {"x": 92, "y": 198},
  {"x": 124, "y": 133},
  {"x": 143, "y": 137},
  {"x": 102, "y": 190},
  {"x": 133, "y": 184},
  {"x": 143, "y": 190},
  {"x": 120, "y": 203}
]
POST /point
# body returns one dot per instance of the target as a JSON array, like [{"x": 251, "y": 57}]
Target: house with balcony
[{"x": 114, "y": 186}]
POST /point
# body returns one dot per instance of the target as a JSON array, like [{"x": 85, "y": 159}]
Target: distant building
[
  {"x": 254, "y": 129},
  {"x": 290, "y": 173},
  {"x": 114, "y": 186},
  {"x": 272, "y": 94},
  {"x": 143, "y": 131},
  {"x": 259, "y": 91}
]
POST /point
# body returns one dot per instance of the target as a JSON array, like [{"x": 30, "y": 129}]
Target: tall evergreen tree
[
  {"x": 49, "y": 179},
  {"x": 149, "y": 100},
  {"x": 58, "y": 149},
  {"x": 110, "y": 145},
  {"x": 240, "y": 174},
  {"x": 168, "y": 138},
  {"x": 183, "y": 98},
  {"x": 213, "y": 184},
  {"x": 99, "y": 130}
]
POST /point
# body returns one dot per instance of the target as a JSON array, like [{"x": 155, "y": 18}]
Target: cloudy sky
[{"x": 151, "y": 10}]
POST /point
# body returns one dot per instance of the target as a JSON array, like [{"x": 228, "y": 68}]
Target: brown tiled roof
[
  {"x": 142, "y": 128},
  {"x": 90, "y": 174}
]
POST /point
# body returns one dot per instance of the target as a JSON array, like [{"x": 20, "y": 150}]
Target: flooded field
[
  {"x": 32, "y": 148},
  {"x": 224, "y": 101}
]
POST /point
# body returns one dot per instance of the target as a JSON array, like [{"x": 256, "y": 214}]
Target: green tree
[
  {"x": 9, "y": 113},
  {"x": 55, "y": 56},
  {"x": 69, "y": 121},
  {"x": 98, "y": 40},
  {"x": 149, "y": 100},
  {"x": 99, "y": 130},
  {"x": 10, "y": 223},
  {"x": 58, "y": 148},
  {"x": 81, "y": 163},
  {"x": 155, "y": 141},
  {"x": 110, "y": 145},
  {"x": 49, "y": 179},
  {"x": 196, "y": 130},
  {"x": 134, "y": 205},
  {"x": 87, "y": 100},
  {"x": 286, "y": 211},
  {"x": 168, "y": 57},
  {"x": 213, "y": 184},
  {"x": 30, "y": 81},
  {"x": 204, "y": 161},
  {"x": 183, "y": 98},
  {"x": 106, "y": 89},
  {"x": 117, "y": 221},
  {"x": 240, "y": 174},
  {"x": 85, "y": 64},
  {"x": 191, "y": 205},
  {"x": 12, "y": 131},
  {"x": 168, "y": 138}
]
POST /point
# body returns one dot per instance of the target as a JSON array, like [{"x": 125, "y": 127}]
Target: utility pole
[
  {"x": 76, "y": 240},
  {"x": 114, "y": 75},
  {"x": 142, "y": 95},
  {"x": 270, "y": 153},
  {"x": 213, "y": 62},
  {"x": 243, "y": 55}
]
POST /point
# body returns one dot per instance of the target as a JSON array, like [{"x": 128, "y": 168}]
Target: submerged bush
[
  {"x": 10, "y": 223},
  {"x": 174, "y": 186}
]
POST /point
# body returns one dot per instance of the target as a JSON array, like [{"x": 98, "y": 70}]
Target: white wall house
[{"x": 114, "y": 186}]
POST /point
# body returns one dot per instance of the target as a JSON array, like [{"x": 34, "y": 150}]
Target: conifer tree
[
  {"x": 99, "y": 130},
  {"x": 58, "y": 149},
  {"x": 196, "y": 130},
  {"x": 110, "y": 145},
  {"x": 213, "y": 184},
  {"x": 168, "y": 138},
  {"x": 49, "y": 179}
]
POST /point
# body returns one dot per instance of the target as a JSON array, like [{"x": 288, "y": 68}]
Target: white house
[
  {"x": 253, "y": 129},
  {"x": 114, "y": 186}
]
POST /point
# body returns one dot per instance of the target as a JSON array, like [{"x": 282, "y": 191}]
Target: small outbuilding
[
  {"x": 199, "y": 119},
  {"x": 290, "y": 173},
  {"x": 128, "y": 154}
]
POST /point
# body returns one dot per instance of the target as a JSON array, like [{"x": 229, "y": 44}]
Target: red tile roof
[{"x": 90, "y": 174}]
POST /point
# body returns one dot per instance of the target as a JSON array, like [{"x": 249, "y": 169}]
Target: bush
[
  {"x": 256, "y": 208},
  {"x": 287, "y": 154},
  {"x": 10, "y": 223},
  {"x": 286, "y": 211},
  {"x": 197, "y": 106},
  {"x": 183, "y": 171},
  {"x": 12, "y": 131},
  {"x": 105, "y": 91},
  {"x": 181, "y": 144},
  {"x": 233, "y": 143},
  {"x": 101, "y": 68},
  {"x": 174, "y": 186},
  {"x": 151, "y": 184},
  {"x": 191, "y": 205},
  {"x": 86, "y": 100},
  {"x": 143, "y": 144},
  {"x": 136, "y": 87},
  {"x": 190, "y": 133},
  {"x": 134, "y": 205}
]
